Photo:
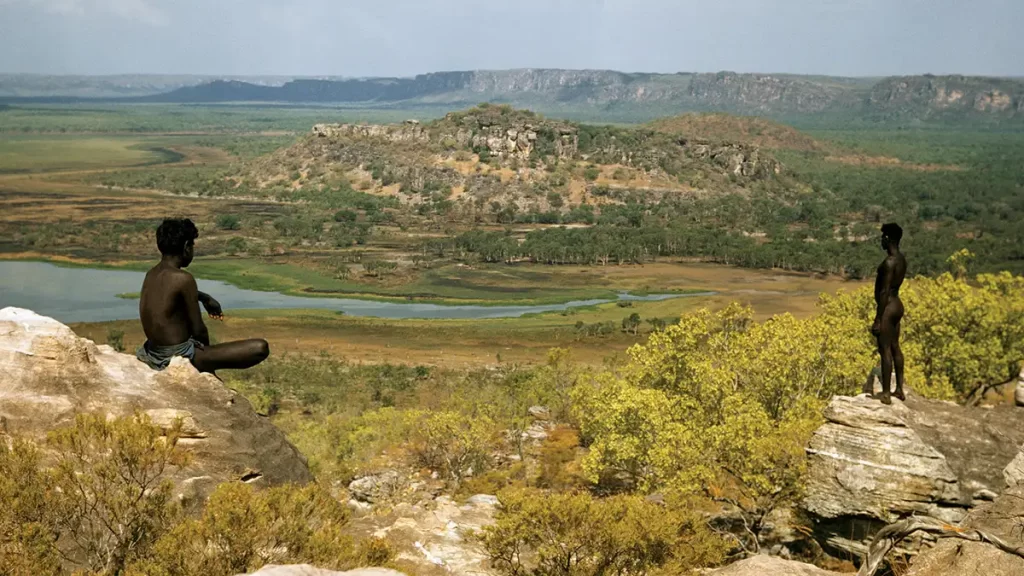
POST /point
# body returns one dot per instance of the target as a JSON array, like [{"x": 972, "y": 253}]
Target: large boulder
[
  {"x": 770, "y": 566},
  {"x": 871, "y": 464},
  {"x": 48, "y": 375}
]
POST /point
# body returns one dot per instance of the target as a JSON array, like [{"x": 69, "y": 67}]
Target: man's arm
[
  {"x": 884, "y": 284},
  {"x": 190, "y": 292},
  {"x": 213, "y": 307}
]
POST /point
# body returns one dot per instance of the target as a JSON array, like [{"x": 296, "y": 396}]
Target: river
[{"x": 90, "y": 295}]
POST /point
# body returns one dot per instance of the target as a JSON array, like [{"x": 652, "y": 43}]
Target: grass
[
  {"x": 130, "y": 295},
  {"x": 47, "y": 153}
]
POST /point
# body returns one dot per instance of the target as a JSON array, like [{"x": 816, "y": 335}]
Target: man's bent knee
[{"x": 261, "y": 349}]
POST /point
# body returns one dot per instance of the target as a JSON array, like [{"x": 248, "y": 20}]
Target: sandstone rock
[
  {"x": 1014, "y": 472},
  {"x": 307, "y": 570},
  {"x": 770, "y": 566},
  {"x": 871, "y": 463},
  {"x": 436, "y": 533},
  {"x": 48, "y": 375},
  {"x": 1001, "y": 518},
  {"x": 375, "y": 487},
  {"x": 867, "y": 461},
  {"x": 539, "y": 412}
]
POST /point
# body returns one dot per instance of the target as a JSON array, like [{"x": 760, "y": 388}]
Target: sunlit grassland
[{"x": 40, "y": 153}]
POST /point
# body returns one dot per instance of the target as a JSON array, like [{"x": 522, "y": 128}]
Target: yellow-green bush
[
  {"x": 542, "y": 534},
  {"x": 720, "y": 405},
  {"x": 243, "y": 529},
  {"x": 455, "y": 445},
  {"x": 101, "y": 502}
]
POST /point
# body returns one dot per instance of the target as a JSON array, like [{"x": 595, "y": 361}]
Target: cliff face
[{"x": 911, "y": 97}]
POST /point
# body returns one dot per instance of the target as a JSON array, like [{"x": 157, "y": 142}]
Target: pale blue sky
[{"x": 406, "y": 37}]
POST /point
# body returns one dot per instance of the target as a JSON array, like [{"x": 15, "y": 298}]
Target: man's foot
[
  {"x": 885, "y": 398},
  {"x": 899, "y": 394}
]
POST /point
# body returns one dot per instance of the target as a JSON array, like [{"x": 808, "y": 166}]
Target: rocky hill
[{"x": 512, "y": 157}]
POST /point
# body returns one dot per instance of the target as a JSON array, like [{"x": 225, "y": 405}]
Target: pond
[{"x": 90, "y": 295}]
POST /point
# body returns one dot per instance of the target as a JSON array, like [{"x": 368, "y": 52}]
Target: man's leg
[
  {"x": 885, "y": 350},
  {"x": 231, "y": 355},
  {"x": 897, "y": 360}
]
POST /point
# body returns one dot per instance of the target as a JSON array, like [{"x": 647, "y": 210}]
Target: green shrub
[
  {"x": 115, "y": 339},
  {"x": 229, "y": 222}
]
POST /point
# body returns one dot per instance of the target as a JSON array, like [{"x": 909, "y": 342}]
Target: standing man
[
  {"x": 886, "y": 327},
  {"x": 169, "y": 308}
]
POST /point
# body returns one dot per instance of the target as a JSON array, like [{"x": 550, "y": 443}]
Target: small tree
[{"x": 111, "y": 497}]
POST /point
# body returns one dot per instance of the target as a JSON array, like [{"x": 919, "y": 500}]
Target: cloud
[{"x": 142, "y": 11}]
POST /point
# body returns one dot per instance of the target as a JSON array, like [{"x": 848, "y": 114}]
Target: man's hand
[
  {"x": 213, "y": 308},
  {"x": 876, "y": 328}
]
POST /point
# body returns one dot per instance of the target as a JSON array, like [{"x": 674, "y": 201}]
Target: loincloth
[{"x": 158, "y": 357}]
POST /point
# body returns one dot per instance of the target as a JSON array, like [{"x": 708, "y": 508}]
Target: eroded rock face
[
  {"x": 48, "y": 375},
  {"x": 770, "y": 566},
  {"x": 871, "y": 463}
]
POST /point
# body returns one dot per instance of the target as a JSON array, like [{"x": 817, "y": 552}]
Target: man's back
[{"x": 162, "y": 308}]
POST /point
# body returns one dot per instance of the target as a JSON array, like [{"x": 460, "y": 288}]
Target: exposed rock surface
[
  {"x": 871, "y": 463},
  {"x": 307, "y": 570},
  {"x": 770, "y": 566},
  {"x": 48, "y": 375},
  {"x": 1003, "y": 518},
  {"x": 435, "y": 534},
  {"x": 1014, "y": 472}
]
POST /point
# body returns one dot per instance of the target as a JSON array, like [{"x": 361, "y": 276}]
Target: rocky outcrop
[
  {"x": 770, "y": 566},
  {"x": 48, "y": 375},
  {"x": 1003, "y": 518},
  {"x": 435, "y": 533},
  {"x": 307, "y": 570},
  {"x": 870, "y": 464},
  {"x": 406, "y": 132}
]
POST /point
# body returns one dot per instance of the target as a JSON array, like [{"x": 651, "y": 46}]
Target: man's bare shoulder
[{"x": 170, "y": 276}]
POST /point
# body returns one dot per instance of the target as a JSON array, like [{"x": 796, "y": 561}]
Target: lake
[{"x": 90, "y": 295}]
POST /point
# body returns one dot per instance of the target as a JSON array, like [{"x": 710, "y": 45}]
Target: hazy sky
[{"x": 406, "y": 37}]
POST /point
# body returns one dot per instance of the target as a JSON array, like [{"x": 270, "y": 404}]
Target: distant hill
[
  {"x": 749, "y": 130},
  {"x": 495, "y": 155},
  {"x": 608, "y": 94},
  {"x": 113, "y": 86}
]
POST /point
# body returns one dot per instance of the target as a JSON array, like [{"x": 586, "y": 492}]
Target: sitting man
[{"x": 170, "y": 313}]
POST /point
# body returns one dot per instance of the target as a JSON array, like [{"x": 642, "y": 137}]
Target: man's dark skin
[
  {"x": 889, "y": 312},
  {"x": 169, "y": 308}
]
